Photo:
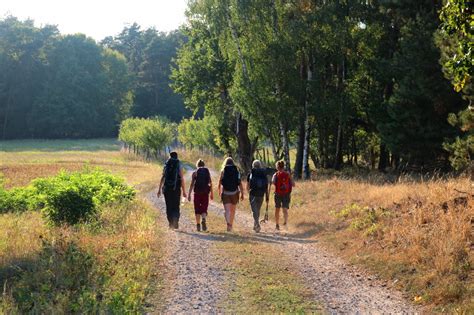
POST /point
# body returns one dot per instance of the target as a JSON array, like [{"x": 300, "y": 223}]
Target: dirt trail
[
  {"x": 196, "y": 285},
  {"x": 194, "y": 279},
  {"x": 340, "y": 288}
]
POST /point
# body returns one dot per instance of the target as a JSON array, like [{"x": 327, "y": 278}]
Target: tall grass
[
  {"x": 418, "y": 232},
  {"x": 104, "y": 267}
]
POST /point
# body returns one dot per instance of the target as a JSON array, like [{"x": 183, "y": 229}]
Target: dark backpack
[
  {"x": 203, "y": 177},
  {"x": 172, "y": 178},
  {"x": 230, "y": 178},
  {"x": 258, "y": 182}
]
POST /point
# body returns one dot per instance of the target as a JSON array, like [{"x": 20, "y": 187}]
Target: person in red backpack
[
  {"x": 201, "y": 184},
  {"x": 283, "y": 186}
]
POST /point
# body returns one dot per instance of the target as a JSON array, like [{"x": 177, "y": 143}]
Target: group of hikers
[{"x": 230, "y": 189}]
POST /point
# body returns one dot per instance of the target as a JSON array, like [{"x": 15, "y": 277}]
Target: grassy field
[
  {"x": 38, "y": 263},
  {"x": 418, "y": 235}
]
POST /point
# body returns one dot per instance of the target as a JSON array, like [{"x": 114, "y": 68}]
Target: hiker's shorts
[
  {"x": 201, "y": 203},
  {"x": 232, "y": 199},
  {"x": 282, "y": 201}
]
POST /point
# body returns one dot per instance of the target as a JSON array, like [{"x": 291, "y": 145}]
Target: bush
[
  {"x": 70, "y": 204},
  {"x": 73, "y": 198},
  {"x": 19, "y": 200},
  {"x": 69, "y": 198}
]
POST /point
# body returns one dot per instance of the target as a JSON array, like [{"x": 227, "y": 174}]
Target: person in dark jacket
[
  {"x": 172, "y": 184},
  {"x": 257, "y": 187}
]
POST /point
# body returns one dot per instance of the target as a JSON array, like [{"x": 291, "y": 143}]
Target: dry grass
[
  {"x": 124, "y": 244},
  {"x": 191, "y": 156},
  {"x": 20, "y": 167},
  {"x": 419, "y": 233},
  {"x": 20, "y": 237}
]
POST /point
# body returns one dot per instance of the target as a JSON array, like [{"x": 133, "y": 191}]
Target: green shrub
[
  {"x": 70, "y": 197},
  {"x": 70, "y": 204},
  {"x": 73, "y": 198},
  {"x": 19, "y": 200}
]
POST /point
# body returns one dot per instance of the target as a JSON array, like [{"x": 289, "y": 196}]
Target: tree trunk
[
  {"x": 286, "y": 146},
  {"x": 338, "y": 157},
  {"x": 306, "y": 153},
  {"x": 5, "y": 118},
  {"x": 372, "y": 157},
  {"x": 383, "y": 159},
  {"x": 300, "y": 148},
  {"x": 307, "y": 126},
  {"x": 354, "y": 149},
  {"x": 244, "y": 150}
]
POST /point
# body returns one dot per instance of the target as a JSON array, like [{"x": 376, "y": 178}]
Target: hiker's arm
[
  {"x": 267, "y": 192},
  {"x": 272, "y": 184},
  {"x": 183, "y": 185},
  {"x": 158, "y": 194},
  {"x": 219, "y": 185},
  {"x": 212, "y": 191},
  {"x": 193, "y": 180}
]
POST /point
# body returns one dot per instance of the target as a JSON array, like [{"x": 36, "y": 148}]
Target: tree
[{"x": 456, "y": 42}]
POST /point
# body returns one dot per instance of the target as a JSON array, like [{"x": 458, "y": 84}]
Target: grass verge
[{"x": 418, "y": 235}]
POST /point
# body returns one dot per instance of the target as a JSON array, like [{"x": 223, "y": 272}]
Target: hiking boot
[
  {"x": 277, "y": 227},
  {"x": 175, "y": 224},
  {"x": 204, "y": 226},
  {"x": 198, "y": 227},
  {"x": 257, "y": 228}
]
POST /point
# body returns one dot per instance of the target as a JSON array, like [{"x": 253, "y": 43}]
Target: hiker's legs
[
  {"x": 201, "y": 203},
  {"x": 256, "y": 205},
  {"x": 286, "y": 205},
  {"x": 227, "y": 212},
  {"x": 277, "y": 216},
  {"x": 172, "y": 200},
  {"x": 285, "y": 216},
  {"x": 232, "y": 214}
]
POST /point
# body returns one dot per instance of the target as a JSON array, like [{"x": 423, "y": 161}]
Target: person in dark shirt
[{"x": 257, "y": 187}]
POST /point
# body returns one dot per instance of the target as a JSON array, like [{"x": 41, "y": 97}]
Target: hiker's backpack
[
  {"x": 203, "y": 177},
  {"x": 230, "y": 178},
  {"x": 283, "y": 183},
  {"x": 172, "y": 178},
  {"x": 258, "y": 182}
]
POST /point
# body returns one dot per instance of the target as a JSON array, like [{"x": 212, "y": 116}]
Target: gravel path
[
  {"x": 194, "y": 279},
  {"x": 340, "y": 288},
  {"x": 195, "y": 276}
]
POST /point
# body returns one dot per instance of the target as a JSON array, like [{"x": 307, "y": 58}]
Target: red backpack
[{"x": 283, "y": 183}]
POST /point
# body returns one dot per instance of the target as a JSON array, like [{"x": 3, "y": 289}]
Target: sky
[{"x": 98, "y": 18}]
